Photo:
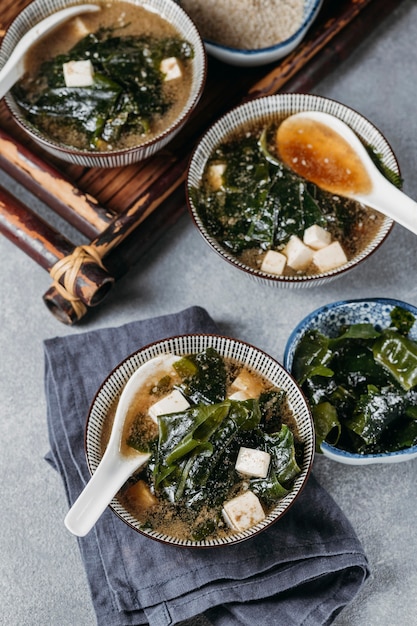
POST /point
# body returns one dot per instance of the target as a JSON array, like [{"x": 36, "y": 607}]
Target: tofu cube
[
  {"x": 248, "y": 384},
  {"x": 330, "y": 257},
  {"x": 243, "y": 512},
  {"x": 299, "y": 256},
  {"x": 239, "y": 395},
  {"x": 141, "y": 495},
  {"x": 78, "y": 73},
  {"x": 171, "y": 68},
  {"x": 274, "y": 262},
  {"x": 78, "y": 28},
  {"x": 215, "y": 175},
  {"x": 317, "y": 237},
  {"x": 252, "y": 462},
  {"x": 172, "y": 403}
]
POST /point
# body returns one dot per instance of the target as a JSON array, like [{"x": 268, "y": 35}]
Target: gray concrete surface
[{"x": 42, "y": 581}]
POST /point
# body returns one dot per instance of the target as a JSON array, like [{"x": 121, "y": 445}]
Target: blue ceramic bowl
[
  {"x": 263, "y": 56},
  {"x": 328, "y": 319}
]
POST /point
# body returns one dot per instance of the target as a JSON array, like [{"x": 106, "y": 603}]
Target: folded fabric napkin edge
[
  {"x": 294, "y": 544},
  {"x": 344, "y": 577}
]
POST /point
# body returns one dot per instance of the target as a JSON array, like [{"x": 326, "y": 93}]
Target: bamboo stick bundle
[
  {"x": 51, "y": 186},
  {"x": 120, "y": 259},
  {"x": 90, "y": 280}
]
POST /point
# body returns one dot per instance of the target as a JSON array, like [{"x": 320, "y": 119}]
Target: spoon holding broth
[
  {"x": 117, "y": 463},
  {"x": 14, "y": 68},
  {"x": 324, "y": 150}
]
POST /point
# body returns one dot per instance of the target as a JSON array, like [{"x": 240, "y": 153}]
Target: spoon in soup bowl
[
  {"x": 14, "y": 68},
  {"x": 324, "y": 150},
  {"x": 116, "y": 466}
]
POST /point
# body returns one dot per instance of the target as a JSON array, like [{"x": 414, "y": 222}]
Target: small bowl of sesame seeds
[{"x": 254, "y": 32}]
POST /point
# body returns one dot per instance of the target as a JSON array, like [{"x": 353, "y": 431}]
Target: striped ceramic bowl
[
  {"x": 172, "y": 13},
  {"x": 274, "y": 109},
  {"x": 242, "y": 353}
]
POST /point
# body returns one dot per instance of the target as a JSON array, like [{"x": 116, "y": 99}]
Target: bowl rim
[
  {"x": 163, "y": 137},
  {"x": 330, "y": 451},
  {"x": 307, "y": 21},
  {"x": 294, "y": 101},
  {"x": 209, "y": 337}
]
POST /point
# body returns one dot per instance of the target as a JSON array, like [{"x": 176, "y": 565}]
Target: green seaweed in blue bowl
[{"x": 362, "y": 385}]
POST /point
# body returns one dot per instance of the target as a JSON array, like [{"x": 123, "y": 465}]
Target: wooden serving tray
[{"x": 121, "y": 212}]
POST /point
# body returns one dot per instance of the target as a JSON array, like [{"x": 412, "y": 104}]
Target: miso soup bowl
[
  {"x": 242, "y": 353},
  {"x": 275, "y": 109},
  {"x": 328, "y": 320},
  {"x": 172, "y": 13}
]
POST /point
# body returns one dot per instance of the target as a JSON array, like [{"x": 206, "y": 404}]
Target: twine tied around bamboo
[{"x": 81, "y": 278}]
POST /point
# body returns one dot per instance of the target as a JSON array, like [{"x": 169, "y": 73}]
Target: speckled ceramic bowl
[
  {"x": 276, "y": 108},
  {"x": 172, "y": 13},
  {"x": 188, "y": 344},
  {"x": 263, "y": 56},
  {"x": 328, "y": 319}
]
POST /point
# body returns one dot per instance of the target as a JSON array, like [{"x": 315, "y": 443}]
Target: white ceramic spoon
[
  {"x": 14, "y": 68},
  {"x": 115, "y": 468},
  {"x": 373, "y": 189}
]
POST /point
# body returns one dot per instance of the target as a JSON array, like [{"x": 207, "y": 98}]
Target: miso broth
[
  {"x": 250, "y": 202},
  {"x": 189, "y": 507},
  {"x": 130, "y": 101}
]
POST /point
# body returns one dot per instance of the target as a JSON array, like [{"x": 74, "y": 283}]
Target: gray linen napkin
[{"x": 303, "y": 570}]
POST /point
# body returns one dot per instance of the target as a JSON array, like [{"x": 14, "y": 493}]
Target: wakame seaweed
[
  {"x": 261, "y": 202},
  {"x": 361, "y": 385},
  {"x": 126, "y": 95},
  {"x": 204, "y": 377},
  {"x": 193, "y": 456},
  {"x": 193, "y": 463}
]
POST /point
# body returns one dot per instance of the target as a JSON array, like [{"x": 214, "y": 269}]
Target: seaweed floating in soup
[
  {"x": 272, "y": 219},
  {"x": 107, "y": 80},
  {"x": 224, "y": 449}
]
